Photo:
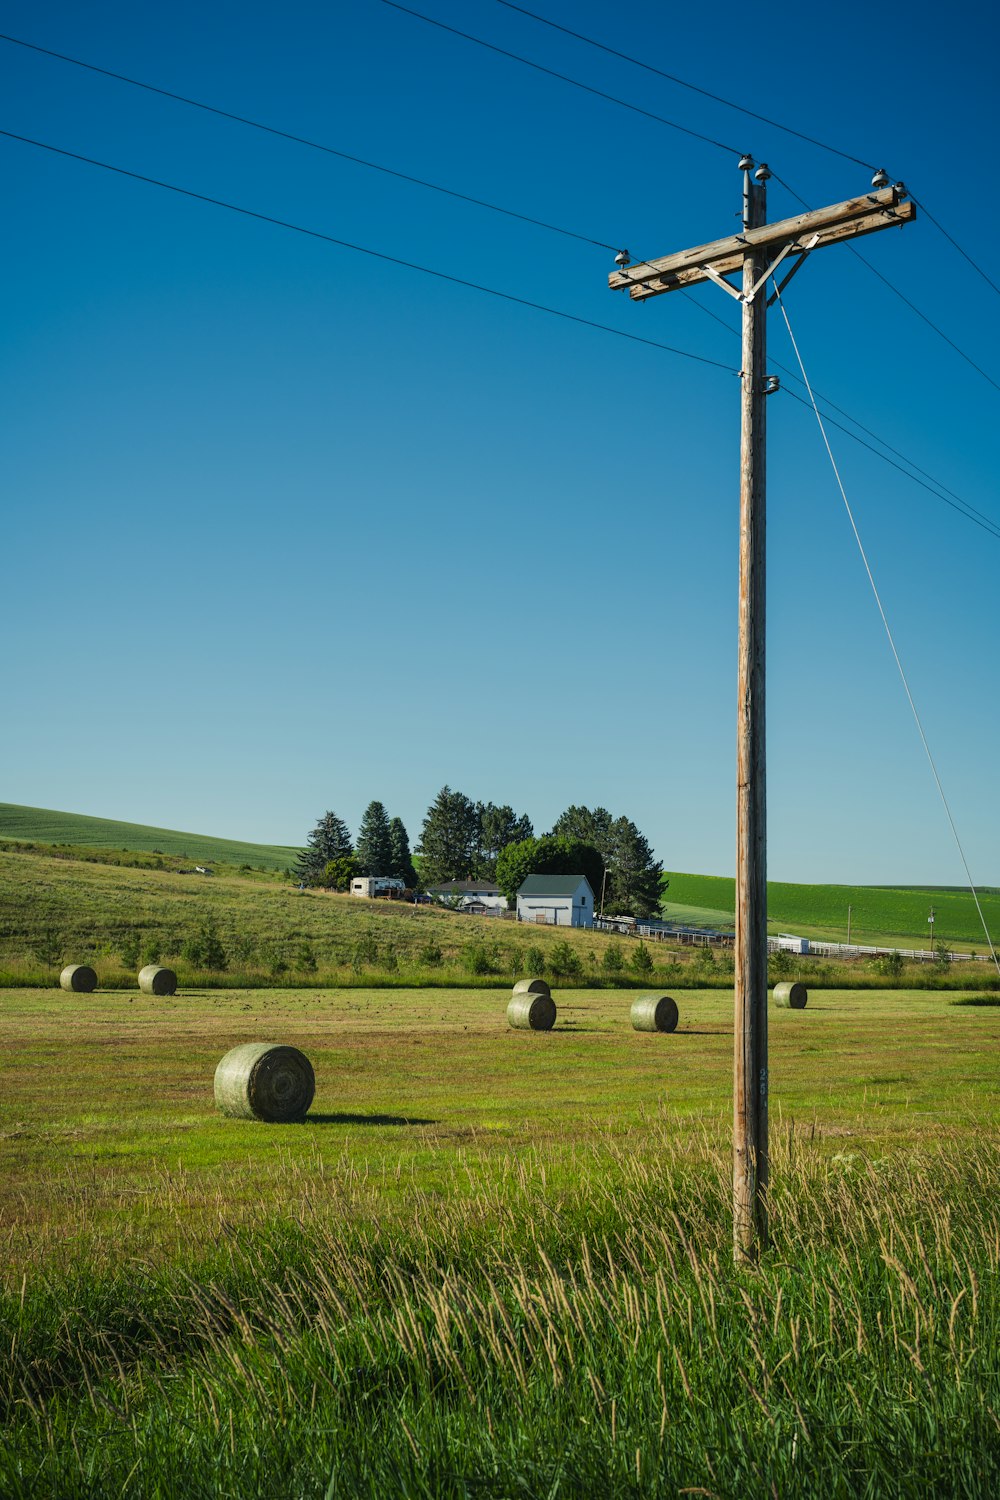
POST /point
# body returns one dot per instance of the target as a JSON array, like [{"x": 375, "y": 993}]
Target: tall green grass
[{"x": 535, "y": 1331}]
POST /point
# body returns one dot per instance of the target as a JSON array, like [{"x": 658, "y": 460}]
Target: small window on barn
[{"x": 583, "y": 900}]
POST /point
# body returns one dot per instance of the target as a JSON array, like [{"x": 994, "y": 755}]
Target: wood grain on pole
[
  {"x": 882, "y": 208},
  {"x": 750, "y": 1036}
]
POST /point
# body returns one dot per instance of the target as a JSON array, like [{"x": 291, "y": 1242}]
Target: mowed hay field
[{"x": 496, "y": 1262}]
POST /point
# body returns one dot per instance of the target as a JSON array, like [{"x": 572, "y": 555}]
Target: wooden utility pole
[{"x": 757, "y": 252}]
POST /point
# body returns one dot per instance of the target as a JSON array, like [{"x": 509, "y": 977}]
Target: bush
[
  {"x": 479, "y": 961},
  {"x": 534, "y": 960},
  {"x": 365, "y": 951},
  {"x": 704, "y": 959},
  {"x": 889, "y": 964},
  {"x": 204, "y": 949},
  {"x": 642, "y": 960},
  {"x": 430, "y": 955},
  {"x": 305, "y": 959},
  {"x": 564, "y": 960},
  {"x": 613, "y": 961},
  {"x": 128, "y": 949}
]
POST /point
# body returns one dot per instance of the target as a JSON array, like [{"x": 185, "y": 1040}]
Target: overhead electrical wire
[
  {"x": 952, "y": 241},
  {"x": 685, "y": 84},
  {"x": 300, "y": 140},
  {"x": 381, "y": 255},
  {"x": 686, "y": 129},
  {"x": 587, "y": 88},
  {"x": 913, "y": 472},
  {"x": 963, "y": 507},
  {"x": 888, "y": 631}
]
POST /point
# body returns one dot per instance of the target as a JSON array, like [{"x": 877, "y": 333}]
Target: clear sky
[{"x": 289, "y": 528}]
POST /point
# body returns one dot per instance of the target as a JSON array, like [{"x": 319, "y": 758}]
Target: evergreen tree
[
  {"x": 590, "y": 826},
  {"x": 498, "y": 827},
  {"x": 634, "y": 876},
  {"x": 449, "y": 839},
  {"x": 374, "y": 848},
  {"x": 330, "y": 839},
  {"x": 400, "y": 859}
]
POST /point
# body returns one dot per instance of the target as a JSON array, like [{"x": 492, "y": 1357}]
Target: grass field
[
  {"x": 494, "y": 1262},
  {"x": 41, "y": 825},
  {"x": 880, "y": 915}
]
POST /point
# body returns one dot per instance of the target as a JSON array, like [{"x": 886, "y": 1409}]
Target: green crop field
[
  {"x": 39, "y": 825},
  {"x": 880, "y": 915},
  {"x": 496, "y": 1262}
]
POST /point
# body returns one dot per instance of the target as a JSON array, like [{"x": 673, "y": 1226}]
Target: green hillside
[
  {"x": 41, "y": 825},
  {"x": 55, "y": 911},
  {"x": 878, "y": 913}
]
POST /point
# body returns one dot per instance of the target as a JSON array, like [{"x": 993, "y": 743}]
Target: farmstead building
[{"x": 556, "y": 900}]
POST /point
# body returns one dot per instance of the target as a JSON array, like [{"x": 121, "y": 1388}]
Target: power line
[
  {"x": 888, "y": 631},
  {"x": 563, "y": 77},
  {"x": 902, "y": 297},
  {"x": 684, "y": 84},
  {"x": 394, "y": 260},
  {"x": 301, "y": 140},
  {"x": 935, "y": 487},
  {"x": 952, "y": 241},
  {"x": 990, "y": 527}
]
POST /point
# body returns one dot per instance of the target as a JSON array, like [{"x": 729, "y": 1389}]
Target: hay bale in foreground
[
  {"x": 265, "y": 1081},
  {"x": 654, "y": 1013},
  {"x": 791, "y": 995},
  {"x": 532, "y": 987},
  {"x": 78, "y": 977},
  {"x": 156, "y": 981},
  {"x": 531, "y": 1012}
]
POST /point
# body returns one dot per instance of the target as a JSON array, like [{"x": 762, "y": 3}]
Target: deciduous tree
[{"x": 547, "y": 856}]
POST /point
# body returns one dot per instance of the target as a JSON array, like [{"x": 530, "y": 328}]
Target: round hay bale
[
  {"x": 531, "y": 1012},
  {"x": 654, "y": 1013},
  {"x": 532, "y": 987},
  {"x": 264, "y": 1081},
  {"x": 791, "y": 995},
  {"x": 156, "y": 981},
  {"x": 78, "y": 977}
]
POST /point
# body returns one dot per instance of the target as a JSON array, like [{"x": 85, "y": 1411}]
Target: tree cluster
[
  {"x": 466, "y": 840},
  {"x": 330, "y": 858},
  {"x": 611, "y": 852},
  {"x": 463, "y": 840}
]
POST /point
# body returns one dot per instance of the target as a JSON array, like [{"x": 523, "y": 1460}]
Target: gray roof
[
  {"x": 465, "y": 887},
  {"x": 552, "y": 885}
]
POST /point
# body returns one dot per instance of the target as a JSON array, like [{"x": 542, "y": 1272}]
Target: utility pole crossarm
[{"x": 885, "y": 209}]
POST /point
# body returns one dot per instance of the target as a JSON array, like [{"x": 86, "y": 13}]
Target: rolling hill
[
  {"x": 41, "y": 825},
  {"x": 880, "y": 915}
]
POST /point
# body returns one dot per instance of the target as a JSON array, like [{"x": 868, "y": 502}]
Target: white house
[
  {"x": 479, "y": 897},
  {"x": 558, "y": 900}
]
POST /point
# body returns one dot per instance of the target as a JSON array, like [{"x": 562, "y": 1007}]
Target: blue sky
[{"x": 289, "y": 528}]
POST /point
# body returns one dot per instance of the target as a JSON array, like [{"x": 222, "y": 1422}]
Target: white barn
[{"x": 556, "y": 900}]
